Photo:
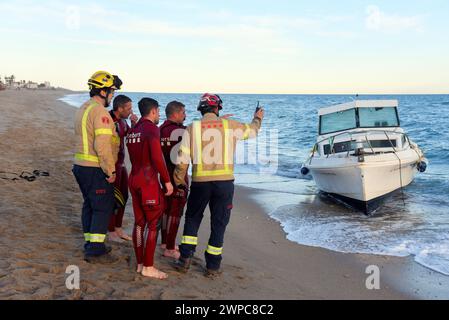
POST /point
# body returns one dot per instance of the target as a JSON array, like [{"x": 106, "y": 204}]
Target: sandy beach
[{"x": 40, "y": 235}]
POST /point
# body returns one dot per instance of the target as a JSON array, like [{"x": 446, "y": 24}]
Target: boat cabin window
[
  {"x": 378, "y": 117},
  {"x": 338, "y": 121},
  {"x": 359, "y": 118}
]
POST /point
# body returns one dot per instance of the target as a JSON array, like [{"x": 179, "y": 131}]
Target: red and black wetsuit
[
  {"x": 121, "y": 180},
  {"x": 148, "y": 164},
  {"x": 171, "y": 135}
]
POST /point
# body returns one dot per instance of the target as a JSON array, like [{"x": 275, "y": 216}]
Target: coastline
[{"x": 36, "y": 131}]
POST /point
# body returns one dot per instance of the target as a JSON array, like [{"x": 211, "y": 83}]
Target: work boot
[
  {"x": 212, "y": 274},
  {"x": 102, "y": 259},
  {"x": 182, "y": 264},
  {"x": 98, "y": 251},
  {"x": 90, "y": 258}
]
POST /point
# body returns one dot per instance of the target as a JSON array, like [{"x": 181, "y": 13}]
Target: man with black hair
[
  {"x": 148, "y": 170},
  {"x": 171, "y": 133},
  {"x": 95, "y": 158},
  {"x": 122, "y": 109}
]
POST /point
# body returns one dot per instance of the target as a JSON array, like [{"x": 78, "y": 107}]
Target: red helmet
[{"x": 210, "y": 101}]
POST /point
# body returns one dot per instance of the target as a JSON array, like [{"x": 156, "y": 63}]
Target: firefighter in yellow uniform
[
  {"x": 210, "y": 145},
  {"x": 94, "y": 169}
]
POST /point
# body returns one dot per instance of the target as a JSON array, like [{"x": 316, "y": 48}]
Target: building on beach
[{"x": 11, "y": 83}]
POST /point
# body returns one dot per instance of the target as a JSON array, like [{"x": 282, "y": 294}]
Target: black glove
[{"x": 180, "y": 191}]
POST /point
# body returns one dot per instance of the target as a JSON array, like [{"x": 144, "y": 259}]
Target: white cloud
[
  {"x": 315, "y": 25},
  {"x": 378, "y": 20},
  {"x": 226, "y": 24},
  {"x": 27, "y": 11},
  {"x": 228, "y": 29},
  {"x": 281, "y": 22},
  {"x": 271, "y": 34}
]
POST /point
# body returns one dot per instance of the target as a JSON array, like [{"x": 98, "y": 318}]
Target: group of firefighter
[{"x": 158, "y": 182}]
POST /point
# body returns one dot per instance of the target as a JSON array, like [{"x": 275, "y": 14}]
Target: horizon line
[{"x": 298, "y": 94}]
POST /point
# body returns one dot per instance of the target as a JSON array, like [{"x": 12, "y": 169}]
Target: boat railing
[{"x": 362, "y": 141}]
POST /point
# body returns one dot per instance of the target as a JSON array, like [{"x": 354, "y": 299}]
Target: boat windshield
[
  {"x": 359, "y": 118},
  {"x": 378, "y": 117},
  {"x": 338, "y": 121}
]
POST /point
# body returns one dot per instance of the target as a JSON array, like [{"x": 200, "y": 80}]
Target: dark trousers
[
  {"x": 218, "y": 195},
  {"x": 121, "y": 183},
  {"x": 98, "y": 205}
]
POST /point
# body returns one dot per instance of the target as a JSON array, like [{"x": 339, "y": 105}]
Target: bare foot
[
  {"x": 164, "y": 247},
  {"x": 139, "y": 268},
  {"x": 172, "y": 254},
  {"x": 120, "y": 233},
  {"x": 113, "y": 236},
  {"x": 152, "y": 272}
]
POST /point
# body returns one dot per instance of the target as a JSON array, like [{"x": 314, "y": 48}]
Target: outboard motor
[{"x": 422, "y": 166}]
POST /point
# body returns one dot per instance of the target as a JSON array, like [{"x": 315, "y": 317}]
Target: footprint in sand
[
  {"x": 7, "y": 283},
  {"x": 43, "y": 294},
  {"x": 4, "y": 265}
]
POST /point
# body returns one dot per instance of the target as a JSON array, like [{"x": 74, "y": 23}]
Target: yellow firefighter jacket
[
  {"x": 210, "y": 145},
  {"x": 97, "y": 140}
]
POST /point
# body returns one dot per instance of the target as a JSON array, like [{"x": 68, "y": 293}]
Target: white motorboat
[{"x": 362, "y": 154}]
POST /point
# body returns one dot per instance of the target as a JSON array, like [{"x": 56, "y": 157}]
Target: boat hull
[
  {"x": 364, "y": 184},
  {"x": 367, "y": 207}
]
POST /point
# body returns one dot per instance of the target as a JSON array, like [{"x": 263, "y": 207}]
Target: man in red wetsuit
[
  {"x": 148, "y": 165},
  {"x": 171, "y": 134},
  {"x": 122, "y": 110}
]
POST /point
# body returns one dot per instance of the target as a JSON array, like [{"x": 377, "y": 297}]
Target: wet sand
[{"x": 40, "y": 233}]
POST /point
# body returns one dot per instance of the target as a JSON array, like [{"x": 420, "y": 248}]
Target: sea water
[{"x": 412, "y": 222}]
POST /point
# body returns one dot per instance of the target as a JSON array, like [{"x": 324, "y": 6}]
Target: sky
[{"x": 304, "y": 47}]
